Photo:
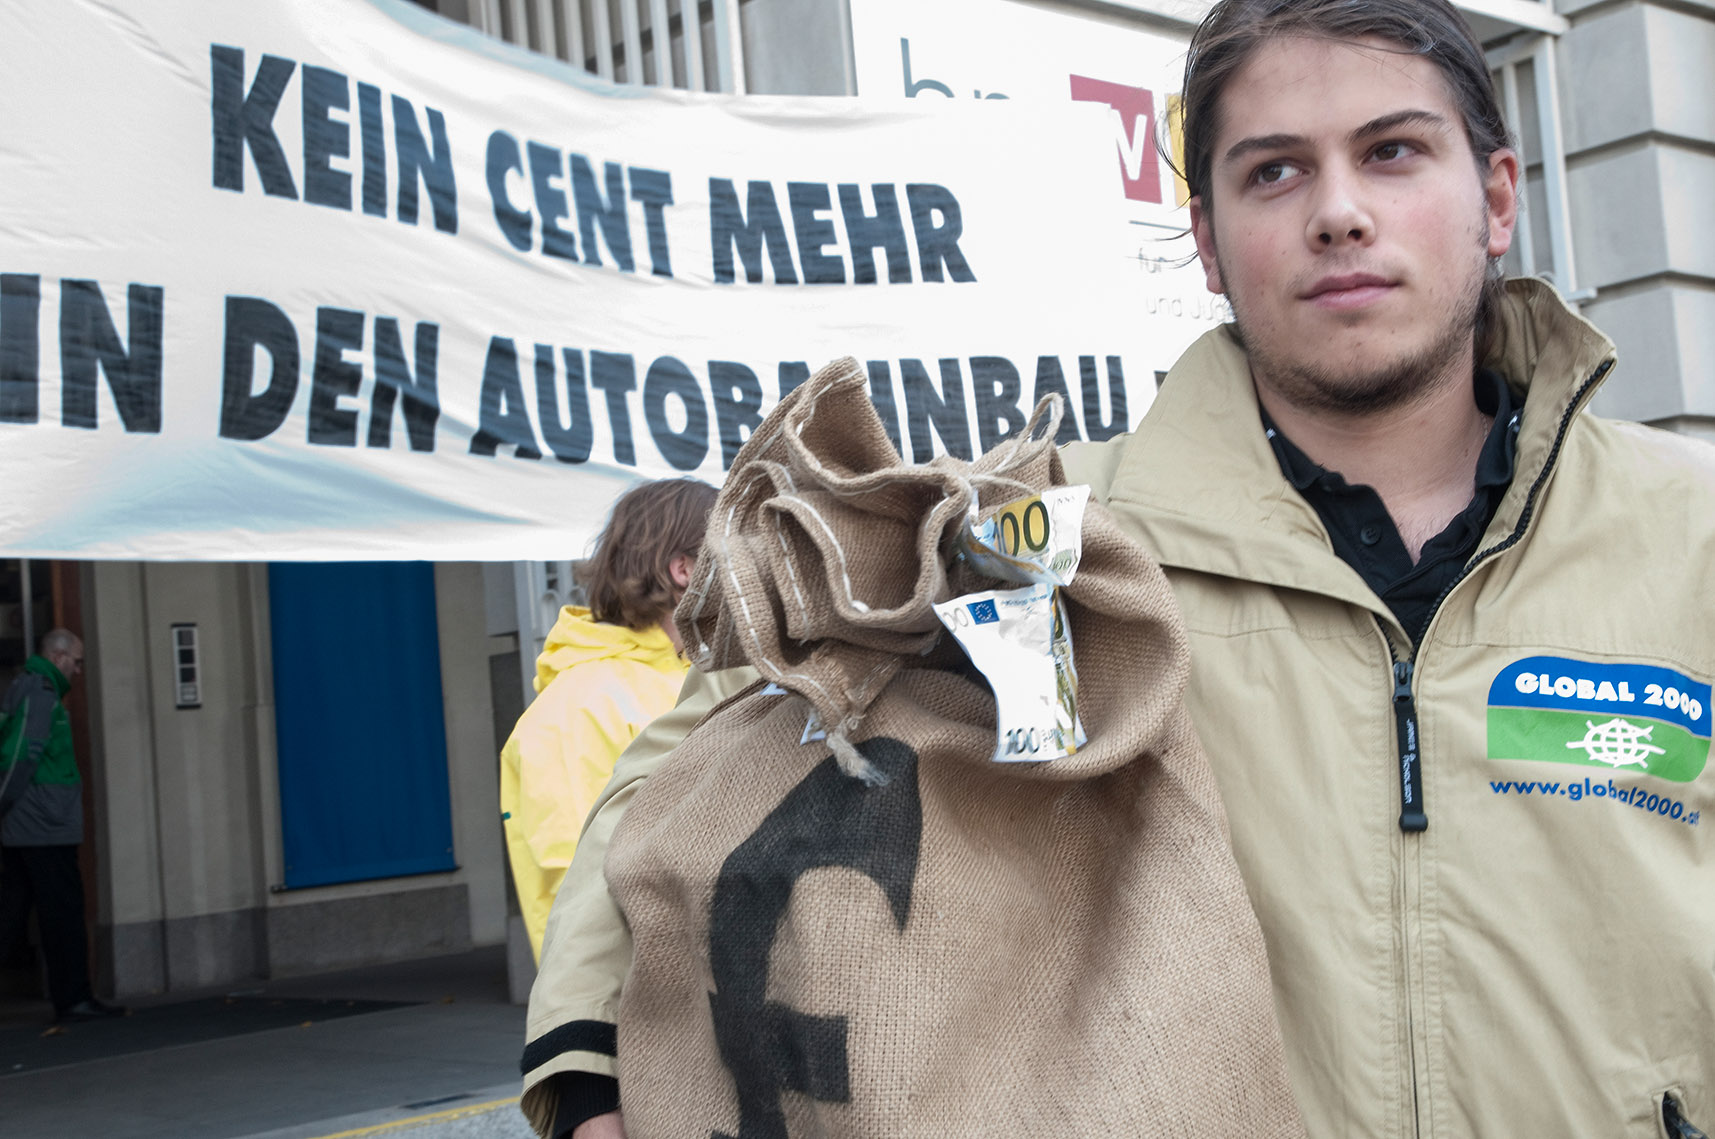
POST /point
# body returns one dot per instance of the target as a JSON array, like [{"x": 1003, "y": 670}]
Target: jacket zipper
[
  {"x": 1411, "y": 816},
  {"x": 1413, "y": 813},
  {"x": 1678, "y": 1127}
]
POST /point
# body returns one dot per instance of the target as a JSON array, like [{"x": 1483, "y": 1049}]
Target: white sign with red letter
[{"x": 958, "y": 50}]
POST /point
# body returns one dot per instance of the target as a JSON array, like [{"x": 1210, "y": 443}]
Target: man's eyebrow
[
  {"x": 1379, "y": 125},
  {"x": 1411, "y": 118},
  {"x": 1261, "y": 142}
]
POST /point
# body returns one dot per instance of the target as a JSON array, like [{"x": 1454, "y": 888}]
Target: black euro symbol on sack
[{"x": 829, "y": 819}]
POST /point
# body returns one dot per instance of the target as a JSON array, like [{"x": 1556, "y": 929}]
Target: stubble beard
[{"x": 1327, "y": 388}]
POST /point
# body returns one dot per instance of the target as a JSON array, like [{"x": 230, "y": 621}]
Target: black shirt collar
[
  {"x": 1363, "y": 534},
  {"x": 1494, "y": 462}
]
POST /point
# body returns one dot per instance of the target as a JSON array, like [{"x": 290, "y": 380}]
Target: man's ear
[
  {"x": 1203, "y": 232},
  {"x": 1500, "y": 195},
  {"x": 679, "y": 568}
]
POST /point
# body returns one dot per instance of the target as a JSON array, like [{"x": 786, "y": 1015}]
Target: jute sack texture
[{"x": 884, "y": 933}]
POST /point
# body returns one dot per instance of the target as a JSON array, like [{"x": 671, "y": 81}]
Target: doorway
[
  {"x": 364, "y": 792},
  {"x": 36, "y": 596}
]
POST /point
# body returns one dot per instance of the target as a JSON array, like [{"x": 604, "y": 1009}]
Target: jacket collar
[
  {"x": 45, "y": 668},
  {"x": 1200, "y": 481}
]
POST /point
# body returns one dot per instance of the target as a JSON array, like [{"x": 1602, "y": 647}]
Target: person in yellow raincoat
[{"x": 603, "y": 674}]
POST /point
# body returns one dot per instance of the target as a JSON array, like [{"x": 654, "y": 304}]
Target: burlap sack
[{"x": 946, "y": 946}]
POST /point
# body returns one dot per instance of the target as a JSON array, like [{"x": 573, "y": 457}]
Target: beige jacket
[{"x": 1540, "y": 961}]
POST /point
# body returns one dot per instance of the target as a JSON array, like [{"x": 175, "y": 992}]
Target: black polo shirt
[{"x": 1364, "y": 534}]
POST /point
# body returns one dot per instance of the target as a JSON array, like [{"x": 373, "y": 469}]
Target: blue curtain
[{"x": 362, "y": 738}]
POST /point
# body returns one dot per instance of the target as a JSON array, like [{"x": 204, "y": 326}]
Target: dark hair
[
  {"x": 652, "y": 523},
  {"x": 1434, "y": 29}
]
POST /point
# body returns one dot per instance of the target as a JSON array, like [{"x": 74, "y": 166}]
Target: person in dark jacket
[{"x": 41, "y": 827}]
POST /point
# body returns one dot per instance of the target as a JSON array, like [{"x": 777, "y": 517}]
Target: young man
[{"x": 1452, "y": 638}]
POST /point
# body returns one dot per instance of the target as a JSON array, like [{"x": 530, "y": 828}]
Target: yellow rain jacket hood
[{"x": 597, "y": 686}]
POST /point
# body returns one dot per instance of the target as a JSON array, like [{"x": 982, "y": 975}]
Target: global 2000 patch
[{"x": 1620, "y": 717}]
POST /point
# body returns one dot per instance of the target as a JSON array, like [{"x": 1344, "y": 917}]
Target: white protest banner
[
  {"x": 338, "y": 279},
  {"x": 1018, "y": 50}
]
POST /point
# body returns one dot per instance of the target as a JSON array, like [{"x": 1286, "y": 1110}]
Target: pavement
[{"x": 420, "y": 1049}]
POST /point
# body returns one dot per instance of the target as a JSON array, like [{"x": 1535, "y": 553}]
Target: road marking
[{"x": 419, "y": 1120}]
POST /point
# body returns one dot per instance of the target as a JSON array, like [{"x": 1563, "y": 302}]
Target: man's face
[
  {"x": 69, "y": 662},
  {"x": 1351, "y": 226}
]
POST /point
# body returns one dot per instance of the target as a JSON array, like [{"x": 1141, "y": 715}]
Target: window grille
[
  {"x": 1525, "y": 77},
  {"x": 619, "y": 40}
]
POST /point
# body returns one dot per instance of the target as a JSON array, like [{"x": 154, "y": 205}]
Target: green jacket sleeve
[
  {"x": 27, "y": 714},
  {"x": 586, "y": 952}
]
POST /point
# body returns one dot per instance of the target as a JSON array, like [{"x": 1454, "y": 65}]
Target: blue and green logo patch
[{"x": 1618, "y": 717}]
